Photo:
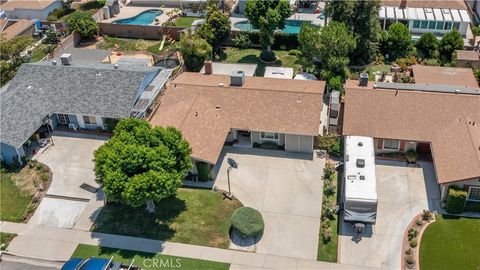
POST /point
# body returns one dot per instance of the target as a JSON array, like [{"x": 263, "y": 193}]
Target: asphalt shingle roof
[{"x": 40, "y": 89}]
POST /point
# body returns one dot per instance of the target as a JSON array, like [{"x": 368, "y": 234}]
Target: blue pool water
[
  {"x": 144, "y": 18},
  {"x": 291, "y": 26}
]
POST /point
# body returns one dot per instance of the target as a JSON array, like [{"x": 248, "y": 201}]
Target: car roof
[
  {"x": 71, "y": 264},
  {"x": 94, "y": 264}
]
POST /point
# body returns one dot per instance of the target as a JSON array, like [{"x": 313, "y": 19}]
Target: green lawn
[
  {"x": 186, "y": 21},
  {"x": 251, "y": 56},
  {"x": 127, "y": 44},
  {"x": 451, "y": 243},
  {"x": 14, "y": 202},
  {"x": 5, "y": 239},
  {"x": 195, "y": 216},
  {"x": 147, "y": 260},
  {"x": 38, "y": 53}
]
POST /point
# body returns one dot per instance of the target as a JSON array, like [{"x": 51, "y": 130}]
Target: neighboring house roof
[
  {"x": 27, "y": 4},
  {"x": 206, "y": 107},
  {"x": 450, "y": 122},
  {"x": 461, "y": 77},
  {"x": 228, "y": 68},
  {"x": 453, "y": 4},
  {"x": 85, "y": 55},
  {"x": 17, "y": 28},
  {"x": 40, "y": 89},
  {"x": 467, "y": 55}
]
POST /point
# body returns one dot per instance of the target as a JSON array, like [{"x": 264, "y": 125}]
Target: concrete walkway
[{"x": 56, "y": 244}]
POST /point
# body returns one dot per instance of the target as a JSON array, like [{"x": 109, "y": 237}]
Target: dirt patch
[{"x": 33, "y": 179}]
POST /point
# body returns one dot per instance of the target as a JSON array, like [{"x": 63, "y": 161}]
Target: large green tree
[
  {"x": 427, "y": 46},
  {"x": 397, "y": 42},
  {"x": 216, "y": 28},
  {"x": 140, "y": 163},
  {"x": 195, "y": 50},
  {"x": 267, "y": 16},
  {"x": 361, "y": 17},
  {"x": 449, "y": 43},
  {"x": 10, "y": 56},
  {"x": 329, "y": 46},
  {"x": 82, "y": 23}
]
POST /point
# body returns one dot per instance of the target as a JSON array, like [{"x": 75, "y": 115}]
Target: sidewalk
[{"x": 56, "y": 244}]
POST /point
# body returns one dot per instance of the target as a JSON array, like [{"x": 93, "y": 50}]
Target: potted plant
[{"x": 411, "y": 156}]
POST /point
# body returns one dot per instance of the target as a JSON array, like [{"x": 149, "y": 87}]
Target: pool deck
[{"x": 131, "y": 11}]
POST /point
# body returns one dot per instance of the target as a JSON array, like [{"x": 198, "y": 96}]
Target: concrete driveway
[
  {"x": 403, "y": 192},
  {"x": 73, "y": 185},
  {"x": 287, "y": 189}
]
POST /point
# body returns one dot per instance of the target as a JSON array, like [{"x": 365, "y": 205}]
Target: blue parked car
[{"x": 96, "y": 264}]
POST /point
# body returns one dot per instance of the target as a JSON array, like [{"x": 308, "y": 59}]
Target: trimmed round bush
[{"x": 248, "y": 221}]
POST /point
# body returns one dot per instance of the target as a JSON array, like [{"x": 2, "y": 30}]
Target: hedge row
[
  {"x": 283, "y": 41},
  {"x": 456, "y": 200}
]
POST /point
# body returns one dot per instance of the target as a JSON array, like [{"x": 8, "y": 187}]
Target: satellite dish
[{"x": 232, "y": 163}]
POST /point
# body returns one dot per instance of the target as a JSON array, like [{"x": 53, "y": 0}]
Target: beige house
[
  {"x": 13, "y": 28},
  {"x": 30, "y": 9},
  {"x": 214, "y": 110},
  {"x": 442, "y": 123}
]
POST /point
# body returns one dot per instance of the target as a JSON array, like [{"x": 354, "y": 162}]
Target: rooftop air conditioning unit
[
  {"x": 237, "y": 78},
  {"x": 363, "y": 81},
  {"x": 361, "y": 163}
]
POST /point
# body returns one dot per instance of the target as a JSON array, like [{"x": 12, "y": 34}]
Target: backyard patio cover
[{"x": 205, "y": 108}]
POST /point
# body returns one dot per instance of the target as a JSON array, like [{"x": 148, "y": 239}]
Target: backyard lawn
[
  {"x": 5, "y": 239},
  {"x": 147, "y": 260},
  {"x": 251, "y": 56},
  {"x": 186, "y": 21},
  {"x": 126, "y": 44},
  {"x": 14, "y": 201},
  {"x": 451, "y": 243},
  {"x": 195, "y": 216},
  {"x": 38, "y": 53}
]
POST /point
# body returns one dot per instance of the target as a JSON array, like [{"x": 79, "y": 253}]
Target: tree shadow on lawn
[
  {"x": 116, "y": 218},
  {"x": 126, "y": 255}
]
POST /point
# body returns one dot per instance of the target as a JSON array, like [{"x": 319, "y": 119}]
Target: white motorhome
[{"x": 359, "y": 196}]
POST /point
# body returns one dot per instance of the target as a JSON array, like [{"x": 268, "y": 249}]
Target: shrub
[
  {"x": 410, "y": 259},
  {"x": 58, "y": 13},
  {"x": 248, "y": 221},
  {"x": 335, "y": 83},
  {"x": 82, "y": 23},
  {"x": 327, "y": 235},
  {"x": 412, "y": 233},
  {"x": 294, "y": 52},
  {"x": 419, "y": 222},
  {"x": 404, "y": 63},
  {"x": 111, "y": 123},
  {"x": 268, "y": 56},
  {"x": 427, "y": 215},
  {"x": 411, "y": 156},
  {"x": 456, "y": 200},
  {"x": 413, "y": 243},
  {"x": 332, "y": 143},
  {"x": 430, "y": 62},
  {"x": 32, "y": 163},
  {"x": 269, "y": 145},
  {"x": 242, "y": 41},
  {"x": 409, "y": 251}
]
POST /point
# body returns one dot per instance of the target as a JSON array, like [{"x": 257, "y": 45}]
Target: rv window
[
  {"x": 362, "y": 177},
  {"x": 391, "y": 144},
  {"x": 351, "y": 177}
]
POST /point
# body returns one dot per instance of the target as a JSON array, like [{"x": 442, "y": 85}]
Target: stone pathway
[{"x": 56, "y": 244}]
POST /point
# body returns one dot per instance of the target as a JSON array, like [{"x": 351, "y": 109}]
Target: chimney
[
  {"x": 363, "y": 80},
  {"x": 208, "y": 67},
  {"x": 66, "y": 59},
  {"x": 237, "y": 78}
]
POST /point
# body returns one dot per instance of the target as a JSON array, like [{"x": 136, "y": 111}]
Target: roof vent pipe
[
  {"x": 115, "y": 66},
  {"x": 54, "y": 62}
]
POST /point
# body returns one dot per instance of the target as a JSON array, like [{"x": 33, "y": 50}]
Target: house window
[
  {"x": 448, "y": 26},
  {"x": 391, "y": 144},
  {"x": 424, "y": 25},
  {"x": 474, "y": 194},
  {"x": 456, "y": 25},
  {"x": 431, "y": 25},
  {"x": 440, "y": 25},
  {"x": 89, "y": 120},
  {"x": 268, "y": 136},
  {"x": 416, "y": 24},
  {"x": 63, "y": 119}
]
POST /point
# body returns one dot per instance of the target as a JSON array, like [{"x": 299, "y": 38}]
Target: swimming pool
[
  {"x": 144, "y": 18},
  {"x": 291, "y": 26}
]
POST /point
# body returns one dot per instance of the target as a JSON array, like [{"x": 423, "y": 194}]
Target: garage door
[{"x": 298, "y": 143}]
